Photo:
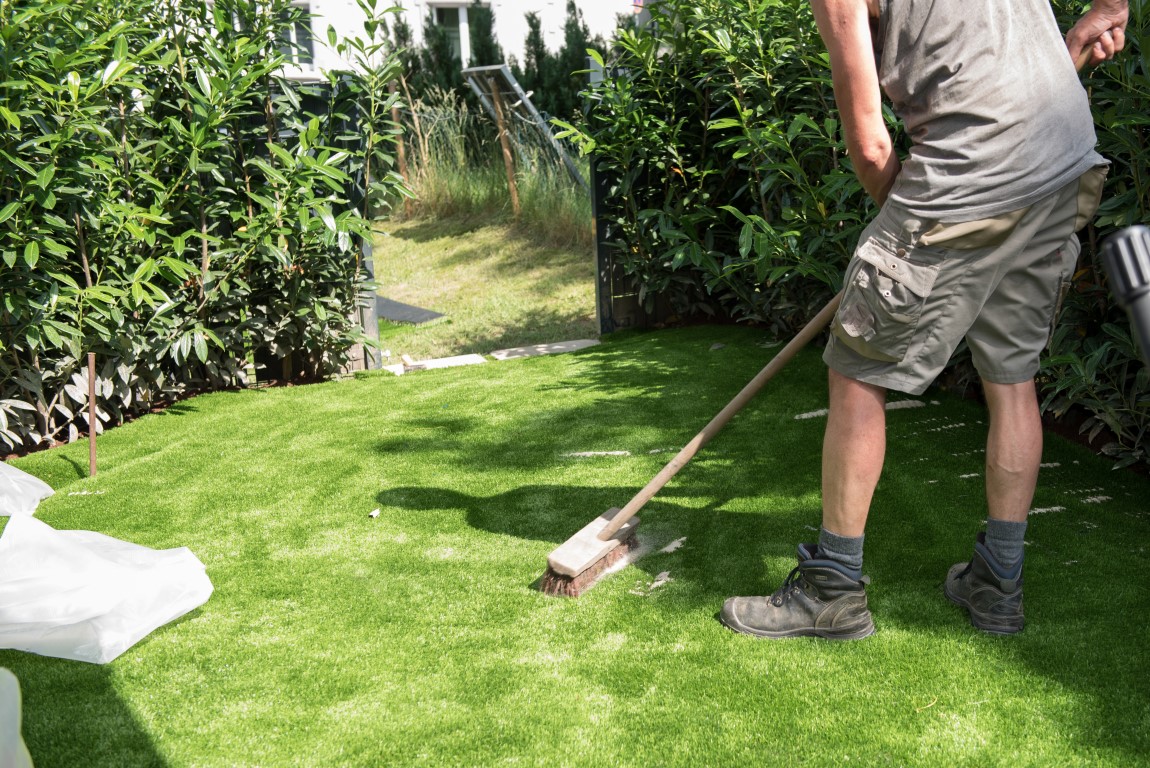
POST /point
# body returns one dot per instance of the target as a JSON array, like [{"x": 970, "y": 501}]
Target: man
[{"x": 975, "y": 238}]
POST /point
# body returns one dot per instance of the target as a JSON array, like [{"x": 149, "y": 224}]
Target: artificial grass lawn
[{"x": 416, "y": 638}]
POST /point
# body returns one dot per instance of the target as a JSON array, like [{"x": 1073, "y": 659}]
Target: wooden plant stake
[
  {"x": 91, "y": 355},
  {"x": 91, "y": 414},
  {"x": 505, "y": 141}
]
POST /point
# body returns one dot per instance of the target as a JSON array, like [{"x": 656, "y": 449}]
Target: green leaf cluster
[
  {"x": 171, "y": 203},
  {"x": 729, "y": 190},
  {"x": 555, "y": 79}
]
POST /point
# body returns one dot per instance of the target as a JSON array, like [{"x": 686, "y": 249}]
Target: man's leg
[
  {"x": 1013, "y": 449},
  {"x": 990, "y": 585},
  {"x": 1013, "y": 454},
  {"x": 1012, "y": 327},
  {"x": 825, "y": 596},
  {"x": 854, "y": 447}
]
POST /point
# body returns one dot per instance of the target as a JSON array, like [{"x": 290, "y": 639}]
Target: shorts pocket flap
[{"x": 918, "y": 278}]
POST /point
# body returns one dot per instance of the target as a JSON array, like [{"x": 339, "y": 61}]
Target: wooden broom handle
[{"x": 804, "y": 337}]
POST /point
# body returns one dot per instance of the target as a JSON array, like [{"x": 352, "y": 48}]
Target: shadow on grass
[
  {"x": 552, "y": 513},
  {"x": 641, "y": 403},
  {"x": 563, "y": 267},
  {"x": 426, "y": 230},
  {"x": 685, "y": 362},
  {"x": 182, "y": 408},
  {"x": 81, "y": 470},
  {"x": 73, "y": 713}
]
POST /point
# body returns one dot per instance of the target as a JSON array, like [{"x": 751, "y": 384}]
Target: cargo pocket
[
  {"x": 1089, "y": 194},
  {"x": 882, "y": 302}
]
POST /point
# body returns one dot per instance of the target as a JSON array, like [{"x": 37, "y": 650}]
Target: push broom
[{"x": 576, "y": 563}]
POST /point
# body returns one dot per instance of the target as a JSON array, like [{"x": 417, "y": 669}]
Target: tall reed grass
[{"x": 455, "y": 169}]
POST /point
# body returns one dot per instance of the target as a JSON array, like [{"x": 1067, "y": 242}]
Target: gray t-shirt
[{"x": 991, "y": 101}]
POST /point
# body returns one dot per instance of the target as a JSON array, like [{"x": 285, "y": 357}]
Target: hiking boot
[
  {"x": 993, "y": 600},
  {"x": 819, "y": 598}
]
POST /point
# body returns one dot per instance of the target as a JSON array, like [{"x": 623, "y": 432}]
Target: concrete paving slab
[
  {"x": 426, "y": 365},
  {"x": 543, "y": 349},
  {"x": 446, "y": 362},
  {"x": 409, "y": 365}
]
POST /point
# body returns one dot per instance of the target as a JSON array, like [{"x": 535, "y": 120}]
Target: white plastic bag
[
  {"x": 13, "y": 752},
  {"x": 86, "y": 596},
  {"x": 20, "y": 492}
]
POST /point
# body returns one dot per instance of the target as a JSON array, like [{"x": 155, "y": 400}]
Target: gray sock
[
  {"x": 844, "y": 550},
  {"x": 1006, "y": 541}
]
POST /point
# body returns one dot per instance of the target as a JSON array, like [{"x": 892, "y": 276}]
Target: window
[
  {"x": 298, "y": 44},
  {"x": 449, "y": 19},
  {"x": 452, "y": 16}
]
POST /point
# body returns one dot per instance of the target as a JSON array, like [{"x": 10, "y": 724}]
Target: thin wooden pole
[
  {"x": 505, "y": 141},
  {"x": 91, "y": 414},
  {"x": 91, "y": 355}
]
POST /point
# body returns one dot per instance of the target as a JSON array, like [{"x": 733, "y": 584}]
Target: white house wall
[{"x": 510, "y": 23}]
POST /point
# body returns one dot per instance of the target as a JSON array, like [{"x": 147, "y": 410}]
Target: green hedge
[
  {"x": 731, "y": 194},
  {"x": 169, "y": 202},
  {"x": 729, "y": 191}
]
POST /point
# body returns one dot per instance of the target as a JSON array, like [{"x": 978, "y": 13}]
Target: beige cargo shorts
[{"x": 915, "y": 288}]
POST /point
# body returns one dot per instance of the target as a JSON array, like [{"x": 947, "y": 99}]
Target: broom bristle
[{"x": 553, "y": 583}]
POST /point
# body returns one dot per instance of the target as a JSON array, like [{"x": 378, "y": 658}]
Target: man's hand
[{"x": 1099, "y": 34}]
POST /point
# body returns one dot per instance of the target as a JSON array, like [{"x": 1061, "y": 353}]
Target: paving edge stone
[
  {"x": 441, "y": 362},
  {"x": 543, "y": 349},
  {"x": 514, "y": 353}
]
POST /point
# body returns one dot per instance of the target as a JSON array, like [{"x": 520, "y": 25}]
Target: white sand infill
[
  {"x": 897, "y": 405},
  {"x": 642, "y": 590}
]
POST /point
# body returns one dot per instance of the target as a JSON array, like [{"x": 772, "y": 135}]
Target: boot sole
[{"x": 866, "y": 631}]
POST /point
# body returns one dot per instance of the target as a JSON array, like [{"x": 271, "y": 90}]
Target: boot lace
[{"x": 792, "y": 583}]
